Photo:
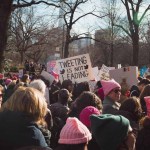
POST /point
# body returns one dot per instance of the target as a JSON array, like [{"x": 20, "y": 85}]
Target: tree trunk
[
  {"x": 112, "y": 54},
  {"x": 67, "y": 42},
  {"x": 21, "y": 57},
  {"x": 5, "y": 12},
  {"x": 135, "y": 42}
]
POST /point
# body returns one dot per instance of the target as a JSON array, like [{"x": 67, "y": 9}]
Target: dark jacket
[
  {"x": 17, "y": 130},
  {"x": 109, "y": 106},
  {"x": 134, "y": 121},
  {"x": 143, "y": 139}
]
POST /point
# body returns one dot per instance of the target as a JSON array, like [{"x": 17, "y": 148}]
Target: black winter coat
[{"x": 18, "y": 130}]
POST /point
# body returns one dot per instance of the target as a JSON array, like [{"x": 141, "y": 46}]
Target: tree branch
[
  {"x": 120, "y": 26},
  {"x": 144, "y": 14},
  {"x": 27, "y": 4}
]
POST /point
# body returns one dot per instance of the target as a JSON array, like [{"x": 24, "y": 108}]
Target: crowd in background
[{"x": 36, "y": 114}]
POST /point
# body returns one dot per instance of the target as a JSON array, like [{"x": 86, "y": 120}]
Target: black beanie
[{"x": 109, "y": 130}]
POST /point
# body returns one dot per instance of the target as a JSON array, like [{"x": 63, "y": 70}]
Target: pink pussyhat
[{"x": 147, "y": 100}]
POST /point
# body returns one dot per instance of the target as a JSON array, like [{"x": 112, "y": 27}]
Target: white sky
[{"x": 89, "y": 23}]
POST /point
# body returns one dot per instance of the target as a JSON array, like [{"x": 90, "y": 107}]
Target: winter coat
[
  {"x": 17, "y": 130},
  {"x": 109, "y": 106},
  {"x": 143, "y": 139}
]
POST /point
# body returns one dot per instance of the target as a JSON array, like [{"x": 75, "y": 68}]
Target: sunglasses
[{"x": 116, "y": 91}]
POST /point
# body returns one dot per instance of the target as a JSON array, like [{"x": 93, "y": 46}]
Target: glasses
[{"x": 116, "y": 91}]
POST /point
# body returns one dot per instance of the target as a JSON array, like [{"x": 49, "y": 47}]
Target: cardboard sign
[
  {"x": 77, "y": 69},
  {"x": 92, "y": 85},
  {"x": 129, "y": 73},
  {"x": 104, "y": 73},
  {"x": 47, "y": 76},
  {"x": 95, "y": 73}
]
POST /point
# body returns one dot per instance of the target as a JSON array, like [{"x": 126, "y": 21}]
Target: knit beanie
[
  {"x": 85, "y": 115},
  {"x": 109, "y": 85},
  {"x": 7, "y": 81},
  {"x": 74, "y": 132},
  {"x": 109, "y": 130}
]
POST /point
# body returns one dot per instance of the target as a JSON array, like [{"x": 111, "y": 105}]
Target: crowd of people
[{"x": 38, "y": 115}]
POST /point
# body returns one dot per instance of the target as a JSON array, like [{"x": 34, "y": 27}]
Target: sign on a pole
[{"x": 77, "y": 68}]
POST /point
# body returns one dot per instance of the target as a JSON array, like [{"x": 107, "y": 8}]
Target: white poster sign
[
  {"x": 77, "y": 69},
  {"x": 95, "y": 73},
  {"x": 104, "y": 73},
  {"x": 129, "y": 73}
]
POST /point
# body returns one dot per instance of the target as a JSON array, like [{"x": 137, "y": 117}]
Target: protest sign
[
  {"x": 129, "y": 73},
  {"x": 51, "y": 65},
  {"x": 95, "y": 73},
  {"x": 20, "y": 73},
  {"x": 77, "y": 69},
  {"x": 104, "y": 73},
  {"x": 47, "y": 76}
]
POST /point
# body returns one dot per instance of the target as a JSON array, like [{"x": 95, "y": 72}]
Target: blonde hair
[{"x": 27, "y": 100}]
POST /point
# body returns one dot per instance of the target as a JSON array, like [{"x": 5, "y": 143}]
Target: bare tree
[
  {"x": 6, "y": 7},
  {"x": 28, "y": 32},
  {"x": 134, "y": 21},
  {"x": 69, "y": 9}
]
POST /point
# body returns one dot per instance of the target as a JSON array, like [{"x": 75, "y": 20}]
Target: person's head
[
  {"x": 110, "y": 131},
  {"x": 74, "y": 133},
  {"x": 88, "y": 99},
  {"x": 81, "y": 87},
  {"x": 27, "y": 100},
  {"x": 143, "y": 83},
  {"x": 64, "y": 96},
  {"x": 39, "y": 85},
  {"x": 133, "y": 106},
  {"x": 25, "y": 78},
  {"x": 67, "y": 84},
  {"x": 86, "y": 113},
  {"x": 145, "y": 91},
  {"x": 111, "y": 89}
]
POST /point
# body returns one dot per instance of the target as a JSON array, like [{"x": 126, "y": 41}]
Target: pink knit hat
[
  {"x": 109, "y": 85},
  {"x": 86, "y": 113},
  {"x": 7, "y": 81},
  {"x": 74, "y": 132}
]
